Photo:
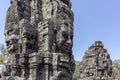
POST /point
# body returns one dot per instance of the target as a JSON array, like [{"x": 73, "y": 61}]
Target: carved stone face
[
  {"x": 11, "y": 36},
  {"x": 64, "y": 39},
  {"x": 67, "y": 2}
]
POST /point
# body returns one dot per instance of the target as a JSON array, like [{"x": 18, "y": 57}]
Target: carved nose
[
  {"x": 69, "y": 41},
  {"x": 7, "y": 42},
  {"x": 11, "y": 41}
]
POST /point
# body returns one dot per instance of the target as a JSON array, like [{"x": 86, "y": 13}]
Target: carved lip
[
  {"x": 11, "y": 48},
  {"x": 8, "y": 47},
  {"x": 67, "y": 47}
]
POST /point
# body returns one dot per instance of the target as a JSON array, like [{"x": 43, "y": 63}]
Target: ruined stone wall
[{"x": 96, "y": 63}]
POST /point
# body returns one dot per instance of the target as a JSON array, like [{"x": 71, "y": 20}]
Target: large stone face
[
  {"x": 39, "y": 38},
  {"x": 96, "y": 63}
]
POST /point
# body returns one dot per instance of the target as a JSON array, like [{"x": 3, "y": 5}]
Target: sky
[{"x": 94, "y": 20}]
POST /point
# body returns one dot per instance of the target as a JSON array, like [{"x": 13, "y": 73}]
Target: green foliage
[
  {"x": 3, "y": 50},
  {"x": 1, "y": 58},
  {"x": 76, "y": 74},
  {"x": 116, "y": 67}
]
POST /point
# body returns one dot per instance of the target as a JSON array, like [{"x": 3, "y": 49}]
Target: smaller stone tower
[{"x": 96, "y": 64}]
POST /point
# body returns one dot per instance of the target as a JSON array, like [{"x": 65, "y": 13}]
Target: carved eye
[
  {"x": 65, "y": 35},
  {"x": 66, "y": 2},
  {"x": 71, "y": 37},
  {"x": 9, "y": 31},
  {"x": 13, "y": 40},
  {"x": 7, "y": 42}
]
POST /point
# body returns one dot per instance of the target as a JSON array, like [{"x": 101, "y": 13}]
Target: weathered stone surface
[
  {"x": 96, "y": 64},
  {"x": 39, "y": 38},
  {"x": 117, "y": 77}
]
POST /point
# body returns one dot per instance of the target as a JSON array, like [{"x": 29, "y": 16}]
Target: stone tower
[
  {"x": 39, "y": 37},
  {"x": 96, "y": 63}
]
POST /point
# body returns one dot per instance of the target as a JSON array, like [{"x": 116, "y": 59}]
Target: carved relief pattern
[{"x": 39, "y": 37}]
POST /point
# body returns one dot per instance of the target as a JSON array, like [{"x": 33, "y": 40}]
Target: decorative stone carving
[
  {"x": 39, "y": 37},
  {"x": 96, "y": 64}
]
